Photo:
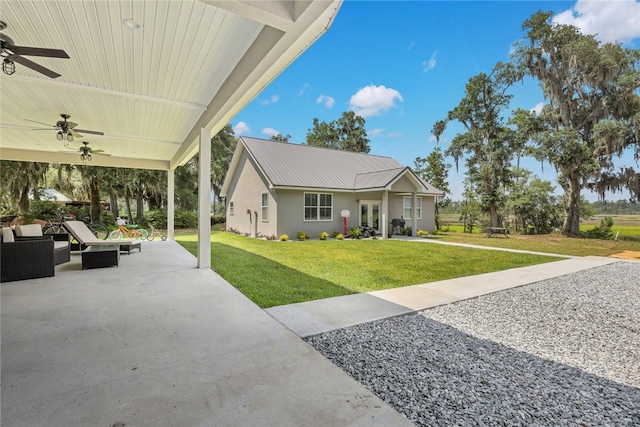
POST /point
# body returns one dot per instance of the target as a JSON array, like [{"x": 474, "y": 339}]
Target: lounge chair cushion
[
  {"x": 81, "y": 232},
  {"x": 29, "y": 230},
  {"x": 7, "y": 235}
]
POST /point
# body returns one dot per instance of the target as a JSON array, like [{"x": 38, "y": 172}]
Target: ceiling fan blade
[
  {"x": 74, "y": 133},
  {"x": 70, "y": 125},
  {"x": 92, "y": 132},
  {"x": 38, "y": 51},
  {"x": 35, "y": 67},
  {"x": 40, "y": 123}
]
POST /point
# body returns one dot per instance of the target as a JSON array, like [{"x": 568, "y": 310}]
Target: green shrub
[
  {"x": 339, "y": 236},
  {"x": 323, "y": 236},
  {"x": 284, "y": 237},
  {"x": 335, "y": 234},
  {"x": 354, "y": 233},
  {"x": 302, "y": 236},
  {"x": 422, "y": 233},
  {"x": 182, "y": 219},
  {"x": 603, "y": 231},
  {"x": 406, "y": 231},
  {"x": 218, "y": 219},
  {"x": 44, "y": 209}
]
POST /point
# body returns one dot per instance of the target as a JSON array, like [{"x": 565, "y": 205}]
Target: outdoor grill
[{"x": 396, "y": 225}]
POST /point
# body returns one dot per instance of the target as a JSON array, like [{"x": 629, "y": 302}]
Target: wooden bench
[{"x": 497, "y": 230}]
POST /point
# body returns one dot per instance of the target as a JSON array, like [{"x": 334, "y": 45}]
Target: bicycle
[
  {"x": 98, "y": 230},
  {"x": 153, "y": 233},
  {"x": 130, "y": 233}
]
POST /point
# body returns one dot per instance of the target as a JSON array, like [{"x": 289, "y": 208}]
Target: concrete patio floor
[{"x": 158, "y": 342}]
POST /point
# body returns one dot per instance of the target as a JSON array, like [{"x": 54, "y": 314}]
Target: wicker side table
[{"x": 100, "y": 256}]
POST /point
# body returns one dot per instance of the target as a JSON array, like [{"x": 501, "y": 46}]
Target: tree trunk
[
  {"x": 127, "y": 205},
  {"x": 113, "y": 204},
  {"x": 139, "y": 205},
  {"x": 571, "y": 226},
  {"x": 23, "y": 205},
  {"x": 95, "y": 200},
  {"x": 493, "y": 215}
]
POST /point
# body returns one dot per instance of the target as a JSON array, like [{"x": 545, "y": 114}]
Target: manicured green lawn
[{"x": 275, "y": 273}]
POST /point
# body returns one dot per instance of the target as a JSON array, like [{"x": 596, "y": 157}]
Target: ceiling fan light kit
[
  {"x": 8, "y": 66},
  {"x": 12, "y": 54}
]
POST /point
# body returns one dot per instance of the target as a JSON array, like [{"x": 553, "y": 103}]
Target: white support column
[
  {"x": 385, "y": 213},
  {"x": 171, "y": 203},
  {"x": 204, "y": 203},
  {"x": 414, "y": 214}
]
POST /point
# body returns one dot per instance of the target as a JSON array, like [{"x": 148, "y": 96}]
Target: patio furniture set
[{"x": 25, "y": 253}]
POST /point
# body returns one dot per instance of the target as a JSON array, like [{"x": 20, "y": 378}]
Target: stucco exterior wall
[
  {"x": 291, "y": 214},
  {"x": 245, "y": 192},
  {"x": 428, "y": 221}
]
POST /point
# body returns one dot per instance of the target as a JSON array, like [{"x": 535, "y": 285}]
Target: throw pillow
[
  {"x": 29, "y": 230},
  {"x": 7, "y": 235}
]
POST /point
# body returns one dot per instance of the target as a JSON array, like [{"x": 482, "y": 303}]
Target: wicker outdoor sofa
[{"x": 31, "y": 257}]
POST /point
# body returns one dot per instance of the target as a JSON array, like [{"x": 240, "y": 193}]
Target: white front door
[{"x": 370, "y": 214}]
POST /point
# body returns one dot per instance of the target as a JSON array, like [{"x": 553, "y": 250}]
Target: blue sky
[{"x": 404, "y": 65}]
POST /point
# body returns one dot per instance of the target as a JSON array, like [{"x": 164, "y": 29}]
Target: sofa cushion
[
  {"x": 7, "y": 235},
  {"x": 29, "y": 230},
  {"x": 60, "y": 245}
]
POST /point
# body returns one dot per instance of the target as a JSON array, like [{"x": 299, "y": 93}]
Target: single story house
[{"x": 274, "y": 188}]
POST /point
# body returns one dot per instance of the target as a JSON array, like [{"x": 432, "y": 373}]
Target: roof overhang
[{"x": 191, "y": 65}]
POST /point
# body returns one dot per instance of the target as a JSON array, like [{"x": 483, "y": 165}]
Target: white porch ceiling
[{"x": 192, "y": 64}]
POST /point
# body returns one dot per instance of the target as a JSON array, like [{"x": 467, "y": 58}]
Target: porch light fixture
[
  {"x": 60, "y": 136},
  {"x": 85, "y": 157},
  {"x": 8, "y": 66}
]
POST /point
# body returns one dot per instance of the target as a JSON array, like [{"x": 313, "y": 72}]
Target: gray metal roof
[{"x": 296, "y": 165}]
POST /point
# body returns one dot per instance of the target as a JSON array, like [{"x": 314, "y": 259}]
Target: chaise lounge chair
[{"x": 84, "y": 236}]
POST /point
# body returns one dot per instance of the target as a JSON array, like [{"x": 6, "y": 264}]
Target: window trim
[
  {"x": 318, "y": 207},
  {"x": 418, "y": 206},
  {"x": 264, "y": 207},
  {"x": 231, "y": 210}
]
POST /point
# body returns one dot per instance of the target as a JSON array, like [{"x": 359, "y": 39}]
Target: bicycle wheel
[
  {"x": 142, "y": 234},
  {"x": 150, "y": 237},
  {"x": 54, "y": 229},
  {"x": 116, "y": 235},
  {"x": 99, "y": 230}
]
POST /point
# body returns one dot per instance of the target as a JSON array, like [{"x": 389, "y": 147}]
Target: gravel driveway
[{"x": 564, "y": 351}]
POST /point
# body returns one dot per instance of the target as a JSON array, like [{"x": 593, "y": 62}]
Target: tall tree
[
  {"x": 593, "y": 108},
  {"x": 223, "y": 145},
  {"x": 18, "y": 180},
  {"x": 281, "y": 138},
  {"x": 435, "y": 171},
  {"x": 487, "y": 143},
  {"x": 347, "y": 133}
]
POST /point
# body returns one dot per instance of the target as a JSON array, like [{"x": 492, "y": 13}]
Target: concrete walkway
[
  {"x": 316, "y": 317},
  {"x": 157, "y": 342}
]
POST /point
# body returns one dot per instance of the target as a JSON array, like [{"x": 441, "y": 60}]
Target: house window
[
  {"x": 265, "y": 207},
  {"x": 230, "y": 208},
  {"x": 318, "y": 207},
  {"x": 406, "y": 207}
]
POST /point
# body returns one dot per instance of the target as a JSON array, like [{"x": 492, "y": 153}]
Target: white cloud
[
  {"x": 430, "y": 64},
  {"x": 303, "y": 89},
  {"x": 326, "y": 100},
  {"x": 270, "y": 132},
  {"x": 610, "y": 21},
  {"x": 410, "y": 46},
  {"x": 272, "y": 100},
  {"x": 538, "y": 108},
  {"x": 375, "y": 132},
  {"x": 395, "y": 134},
  {"x": 373, "y": 100},
  {"x": 241, "y": 129}
]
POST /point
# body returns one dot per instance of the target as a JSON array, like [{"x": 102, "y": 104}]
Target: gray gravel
[{"x": 561, "y": 352}]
